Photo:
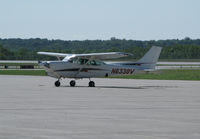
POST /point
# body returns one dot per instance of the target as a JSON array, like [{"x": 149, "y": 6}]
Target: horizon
[{"x": 114, "y": 38}]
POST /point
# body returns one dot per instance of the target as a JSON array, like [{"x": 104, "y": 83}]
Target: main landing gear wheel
[
  {"x": 91, "y": 84},
  {"x": 72, "y": 83},
  {"x": 57, "y": 83}
]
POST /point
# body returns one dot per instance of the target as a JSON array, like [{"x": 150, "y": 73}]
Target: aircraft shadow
[
  {"x": 121, "y": 87},
  {"x": 137, "y": 87},
  {"x": 99, "y": 87}
]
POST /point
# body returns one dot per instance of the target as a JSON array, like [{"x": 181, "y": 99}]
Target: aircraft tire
[
  {"x": 57, "y": 83},
  {"x": 91, "y": 84},
  {"x": 72, "y": 83}
]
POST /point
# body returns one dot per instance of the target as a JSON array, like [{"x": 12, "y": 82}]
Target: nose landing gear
[{"x": 57, "y": 83}]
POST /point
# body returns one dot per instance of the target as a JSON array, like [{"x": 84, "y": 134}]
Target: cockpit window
[
  {"x": 96, "y": 62},
  {"x": 73, "y": 60},
  {"x": 83, "y": 61},
  {"x": 92, "y": 62},
  {"x": 70, "y": 60}
]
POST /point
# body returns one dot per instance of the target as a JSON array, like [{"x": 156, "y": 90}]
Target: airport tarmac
[{"x": 32, "y": 108}]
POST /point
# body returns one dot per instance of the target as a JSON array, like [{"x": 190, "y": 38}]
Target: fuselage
[{"x": 78, "y": 69}]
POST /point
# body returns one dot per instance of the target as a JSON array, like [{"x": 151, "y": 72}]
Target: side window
[
  {"x": 82, "y": 61},
  {"x": 96, "y": 63},
  {"x": 93, "y": 62}
]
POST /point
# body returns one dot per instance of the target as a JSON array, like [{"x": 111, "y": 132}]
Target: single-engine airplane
[{"x": 78, "y": 66}]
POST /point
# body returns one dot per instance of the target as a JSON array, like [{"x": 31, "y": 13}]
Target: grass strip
[
  {"x": 167, "y": 75},
  {"x": 23, "y": 72},
  {"x": 18, "y": 64},
  {"x": 193, "y": 74}
]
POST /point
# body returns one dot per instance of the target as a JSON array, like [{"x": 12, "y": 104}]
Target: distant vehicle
[{"x": 78, "y": 66}]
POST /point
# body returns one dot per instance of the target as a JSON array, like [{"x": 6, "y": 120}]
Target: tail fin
[{"x": 149, "y": 60}]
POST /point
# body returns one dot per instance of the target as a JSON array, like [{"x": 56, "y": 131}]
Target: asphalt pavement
[{"x": 32, "y": 108}]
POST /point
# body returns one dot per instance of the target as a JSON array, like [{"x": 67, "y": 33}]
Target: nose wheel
[
  {"x": 72, "y": 83},
  {"x": 91, "y": 84},
  {"x": 57, "y": 83}
]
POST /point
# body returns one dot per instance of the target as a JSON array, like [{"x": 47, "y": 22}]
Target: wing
[
  {"x": 58, "y": 55},
  {"x": 102, "y": 56},
  {"x": 53, "y": 54}
]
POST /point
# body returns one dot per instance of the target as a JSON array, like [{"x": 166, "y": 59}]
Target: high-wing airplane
[{"x": 78, "y": 66}]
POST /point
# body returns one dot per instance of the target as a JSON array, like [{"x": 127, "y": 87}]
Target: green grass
[
  {"x": 23, "y": 72},
  {"x": 18, "y": 64},
  {"x": 167, "y": 75},
  {"x": 161, "y": 75},
  {"x": 177, "y": 64},
  {"x": 179, "y": 60},
  {"x": 160, "y": 60}
]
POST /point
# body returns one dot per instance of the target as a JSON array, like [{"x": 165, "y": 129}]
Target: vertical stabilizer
[{"x": 149, "y": 60}]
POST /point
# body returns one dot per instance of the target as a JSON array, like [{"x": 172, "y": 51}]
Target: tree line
[{"x": 26, "y": 49}]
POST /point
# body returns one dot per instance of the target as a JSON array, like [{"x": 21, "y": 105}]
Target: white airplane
[{"x": 78, "y": 66}]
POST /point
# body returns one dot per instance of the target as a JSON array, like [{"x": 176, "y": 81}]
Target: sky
[{"x": 100, "y": 19}]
